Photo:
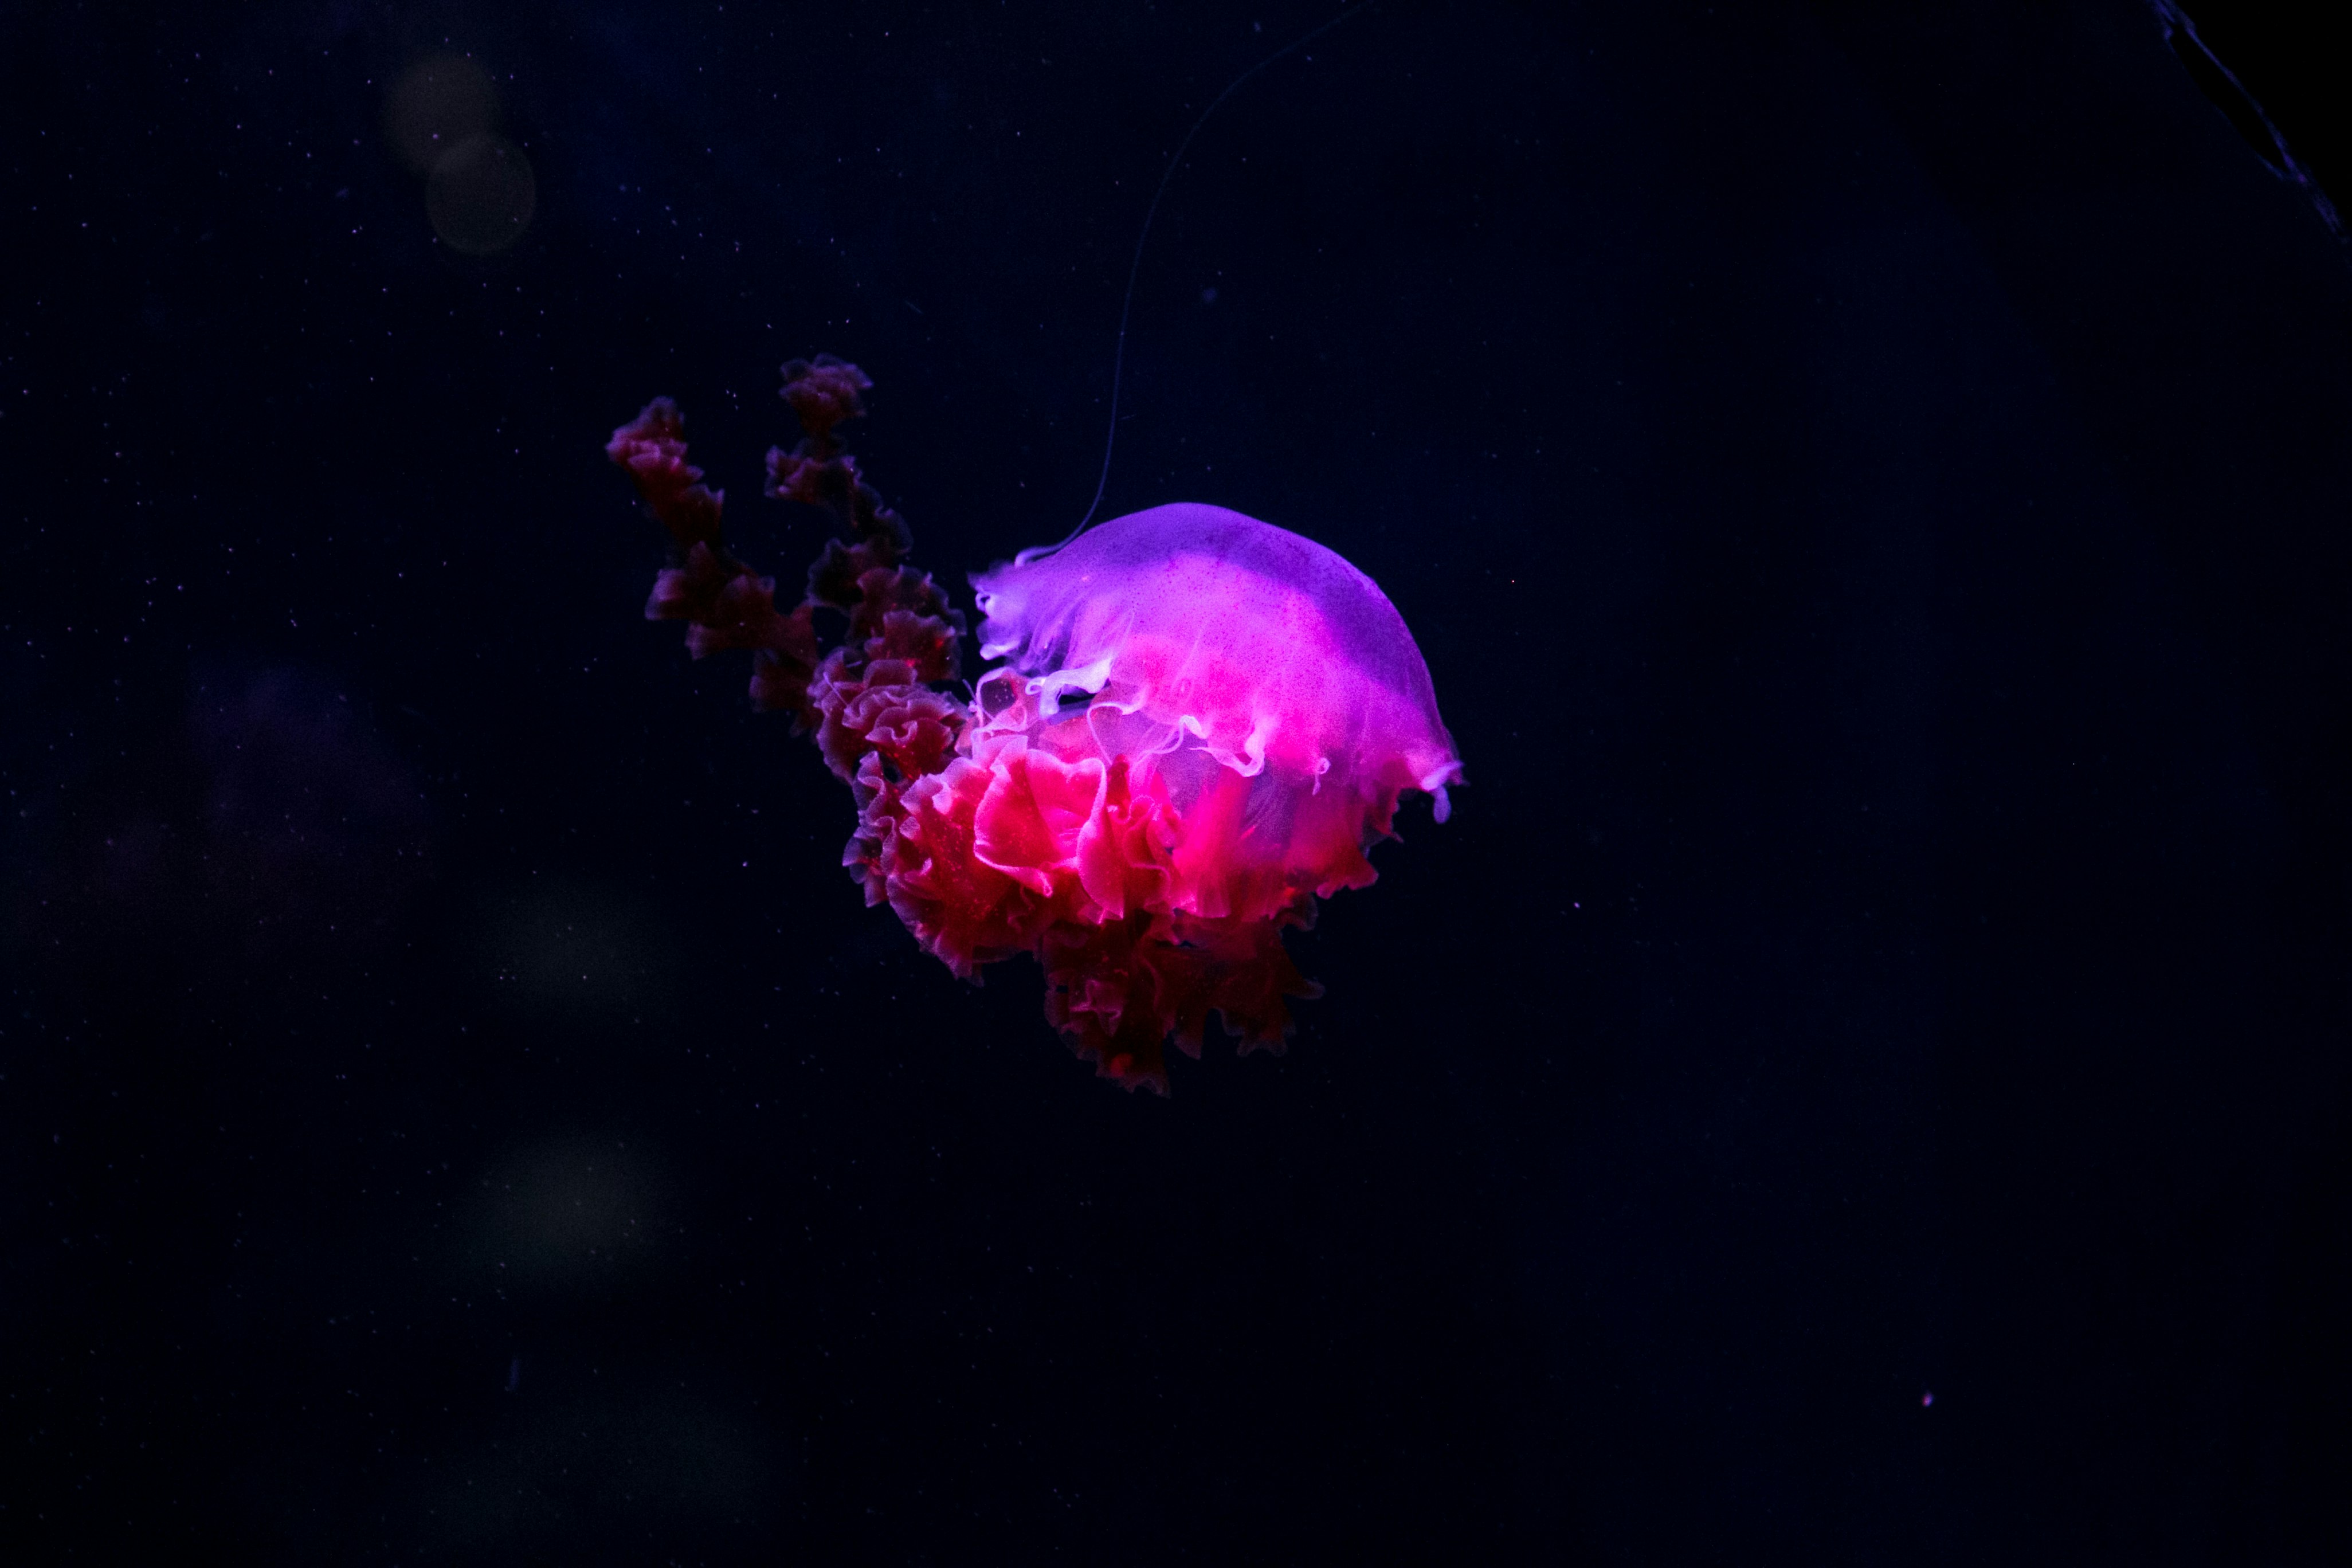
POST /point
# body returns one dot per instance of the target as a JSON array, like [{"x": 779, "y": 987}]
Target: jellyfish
[{"x": 1195, "y": 726}]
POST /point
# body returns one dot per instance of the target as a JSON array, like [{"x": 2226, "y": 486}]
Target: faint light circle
[
  {"x": 436, "y": 104},
  {"x": 480, "y": 195}
]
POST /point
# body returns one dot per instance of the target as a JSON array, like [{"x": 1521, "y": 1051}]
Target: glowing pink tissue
[{"x": 1200, "y": 725}]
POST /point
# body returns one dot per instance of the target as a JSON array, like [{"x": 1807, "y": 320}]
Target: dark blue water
[{"x": 1860, "y": 1079}]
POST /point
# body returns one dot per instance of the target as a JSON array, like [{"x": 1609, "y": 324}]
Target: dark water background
[{"x": 1871, "y": 486}]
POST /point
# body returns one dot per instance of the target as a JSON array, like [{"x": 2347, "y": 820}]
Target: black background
[{"x": 1869, "y": 485}]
